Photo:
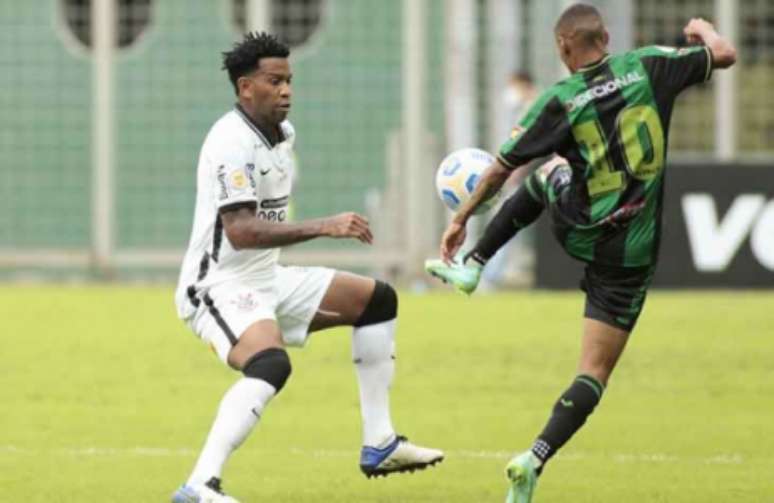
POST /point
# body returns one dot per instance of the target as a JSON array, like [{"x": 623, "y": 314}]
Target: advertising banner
[{"x": 718, "y": 231}]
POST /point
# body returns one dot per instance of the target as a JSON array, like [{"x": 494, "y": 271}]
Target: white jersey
[{"x": 237, "y": 165}]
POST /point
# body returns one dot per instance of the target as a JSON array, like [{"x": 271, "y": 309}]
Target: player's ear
[
  {"x": 245, "y": 85},
  {"x": 561, "y": 44}
]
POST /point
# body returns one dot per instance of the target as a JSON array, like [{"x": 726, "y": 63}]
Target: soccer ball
[{"x": 458, "y": 175}]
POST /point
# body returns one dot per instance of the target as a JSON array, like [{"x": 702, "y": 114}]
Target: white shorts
[{"x": 292, "y": 300}]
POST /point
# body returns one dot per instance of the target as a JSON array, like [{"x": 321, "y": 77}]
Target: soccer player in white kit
[{"x": 236, "y": 297}]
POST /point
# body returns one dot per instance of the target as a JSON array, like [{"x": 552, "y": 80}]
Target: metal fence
[{"x": 104, "y": 105}]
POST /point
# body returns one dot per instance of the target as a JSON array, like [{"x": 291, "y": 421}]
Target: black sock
[
  {"x": 519, "y": 211},
  {"x": 569, "y": 414}
]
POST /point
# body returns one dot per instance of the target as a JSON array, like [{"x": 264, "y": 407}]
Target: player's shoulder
[
  {"x": 557, "y": 95},
  {"x": 288, "y": 131},
  {"x": 230, "y": 126},
  {"x": 664, "y": 51},
  {"x": 228, "y": 133}
]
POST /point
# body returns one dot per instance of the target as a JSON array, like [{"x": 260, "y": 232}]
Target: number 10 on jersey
[{"x": 641, "y": 137}]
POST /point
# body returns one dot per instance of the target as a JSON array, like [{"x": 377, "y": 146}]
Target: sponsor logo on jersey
[
  {"x": 624, "y": 214},
  {"x": 275, "y": 203},
  {"x": 250, "y": 170},
  {"x": 222, "y": 182},
  {"x": 602, "y": 90},
  {"x": 273, "y": 215}
]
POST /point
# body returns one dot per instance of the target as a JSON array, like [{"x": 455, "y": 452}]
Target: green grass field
[{"x": 107, "y": 398}]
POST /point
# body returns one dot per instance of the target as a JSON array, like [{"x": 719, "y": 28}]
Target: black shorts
[{"x": 615, "y": 295}]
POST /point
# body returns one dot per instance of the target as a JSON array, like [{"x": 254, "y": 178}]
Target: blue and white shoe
[
  {"x": 399, "y": 456},
  {"x": 210, "y": 492}
]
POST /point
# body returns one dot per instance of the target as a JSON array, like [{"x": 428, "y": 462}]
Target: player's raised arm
[
  {"x": 699, "y": 30},
  {"x": 540, "y": 133},
  {"x": 244, "y": 230},
  {"x": 492, "y": 180}
]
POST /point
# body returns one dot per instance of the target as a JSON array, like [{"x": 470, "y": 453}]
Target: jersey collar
[
  {"x": 262, "y": 134},
  {"x": 595, "y": 64}
]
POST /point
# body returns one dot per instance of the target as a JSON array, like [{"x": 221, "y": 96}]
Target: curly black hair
[{"x": 244, "y": 57}]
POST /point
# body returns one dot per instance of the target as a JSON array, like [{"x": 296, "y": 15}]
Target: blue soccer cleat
[{"x": 400, "y": 456}]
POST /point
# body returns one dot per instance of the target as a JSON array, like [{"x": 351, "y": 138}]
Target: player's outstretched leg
[
  {"x": 601, "y": 347},
  {"x": 519, "y": 211},
  {"x": 266, "y": 368},
  {"x": 569, "y": 414},
  {"x": 371, "y": 308},
  {"x": 373, "y": 351}
]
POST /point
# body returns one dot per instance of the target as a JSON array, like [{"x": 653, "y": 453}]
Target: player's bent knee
[
  {"x": 271, "y": 365},
  {"x": 383, "y": 305}
]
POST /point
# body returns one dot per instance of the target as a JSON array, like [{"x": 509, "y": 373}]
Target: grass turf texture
[{"x": 107, "y": 397}]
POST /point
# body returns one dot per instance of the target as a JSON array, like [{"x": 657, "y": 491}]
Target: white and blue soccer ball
[{"x": 458, "y": 175}]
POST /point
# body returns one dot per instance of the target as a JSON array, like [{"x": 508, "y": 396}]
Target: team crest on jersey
[
  {"x": 516, "y": 131},
  {"x": 245, "y": 301}
]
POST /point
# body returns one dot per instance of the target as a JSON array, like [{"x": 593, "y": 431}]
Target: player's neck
[
  {"x": 589, "y": 59},
  {"x": 268, "y": 128}
]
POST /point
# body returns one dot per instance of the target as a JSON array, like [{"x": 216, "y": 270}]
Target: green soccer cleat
[
  {"x": 522, "y": 473},
  {"x": 463, "y": 276}
]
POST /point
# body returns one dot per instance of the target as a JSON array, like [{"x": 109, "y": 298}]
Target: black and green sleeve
[
  {"x": 541, "y": 132},
  {"x": 676, "y": 69}
]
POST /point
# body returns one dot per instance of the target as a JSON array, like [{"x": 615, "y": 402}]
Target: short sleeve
[
  {"x": 676, "y": 69},
  {"x": 232, "y": 175},
  {"x": 541, "y": 132}
]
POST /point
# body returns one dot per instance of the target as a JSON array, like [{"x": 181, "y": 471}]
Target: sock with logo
[
  {"x": 238, "y": 413},
  {"x": 569, "y": 414},
  {"x": 516, "y": 213}
]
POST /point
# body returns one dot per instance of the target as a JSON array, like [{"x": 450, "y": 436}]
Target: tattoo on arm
[{"x": 245, "y": 230}]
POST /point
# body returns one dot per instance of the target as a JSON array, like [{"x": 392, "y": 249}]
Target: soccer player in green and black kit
[{"x": 609, "y": 123}]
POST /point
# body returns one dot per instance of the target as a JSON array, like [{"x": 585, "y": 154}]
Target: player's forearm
[
  {"x": 261, "y": 234},
  {"x": 491, "y": 182}
]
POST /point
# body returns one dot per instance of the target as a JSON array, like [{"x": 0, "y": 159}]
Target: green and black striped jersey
[{"x": 611, "y": 121}]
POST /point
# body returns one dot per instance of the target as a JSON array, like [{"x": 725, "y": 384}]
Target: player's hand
[
  {"x": 696, "y": 30},
  {"x": 451, "y": 241},
  {"x": 348, "y": 225}
]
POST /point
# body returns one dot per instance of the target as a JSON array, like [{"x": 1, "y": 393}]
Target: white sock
[
  {"x": 373, "y": 351},
  {"x": 238, "y": 413}
]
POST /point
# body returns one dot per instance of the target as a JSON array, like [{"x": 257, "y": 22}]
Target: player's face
[{"x": 269, "y": 90}]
